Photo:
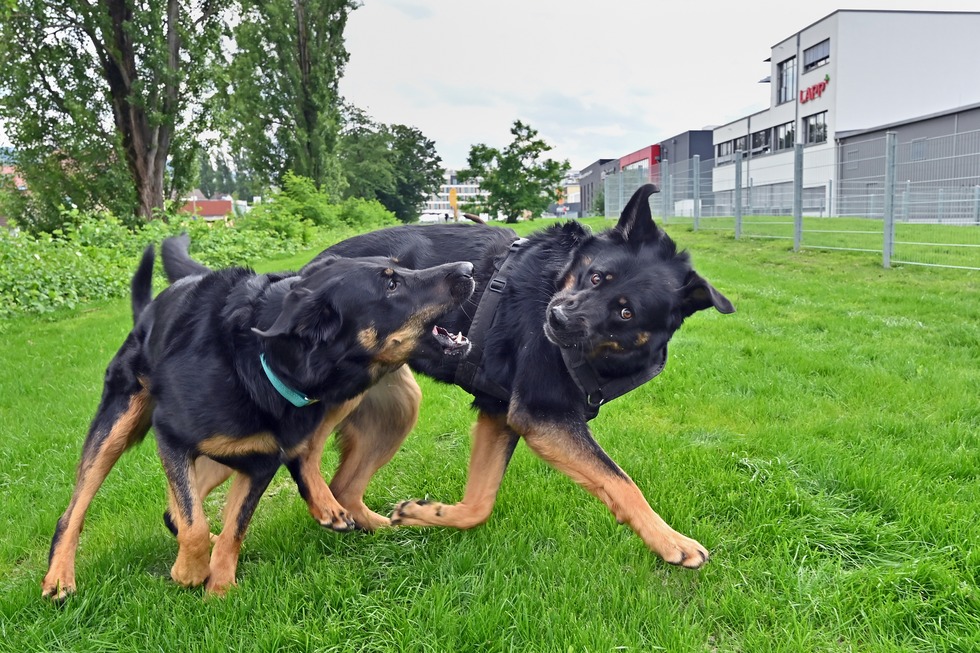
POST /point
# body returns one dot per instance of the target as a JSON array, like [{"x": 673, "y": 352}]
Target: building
[
  {"x": 850, "y": 73},
  {"x": 439, "y": 204},
  {"x": 592, "y": 180}
]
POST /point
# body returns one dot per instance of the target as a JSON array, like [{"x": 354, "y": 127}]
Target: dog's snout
[
  {"x": 557, "y": 316},
  {"x": 464, "y": 269}
]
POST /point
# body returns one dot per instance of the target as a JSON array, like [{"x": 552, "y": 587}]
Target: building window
[
  {"x": 739, "y": 144},
  {"x": 762, "y": 141},
  {"x": 816, "y": 56},
  {"x": 815, "y": 128},
  {"x": 723, "y": 152},
  {"x": 918, "y": 149},
  {"x": 786, "y": 81},
  {"x": 785, "y": 136}
]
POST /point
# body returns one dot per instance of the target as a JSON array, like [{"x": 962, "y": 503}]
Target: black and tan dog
[
  {"x": 579, "y": 319},
  {"x": 245, "y": 371}
]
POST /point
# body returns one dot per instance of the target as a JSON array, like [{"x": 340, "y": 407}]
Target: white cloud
[{"x": 596, "y": 79}]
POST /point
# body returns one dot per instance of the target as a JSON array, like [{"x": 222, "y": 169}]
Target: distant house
[{"x": 201, "y": 207}]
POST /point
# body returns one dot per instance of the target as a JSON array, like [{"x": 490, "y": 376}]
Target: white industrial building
[{"x": 849, "y": 73}]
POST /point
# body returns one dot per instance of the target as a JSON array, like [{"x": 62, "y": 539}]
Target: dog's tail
[
  {"x": 177, "y": 262},
  {"x": 141, "y": 286}
]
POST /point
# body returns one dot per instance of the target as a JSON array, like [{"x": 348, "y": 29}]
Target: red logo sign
[{"x": 814, "y": 91}]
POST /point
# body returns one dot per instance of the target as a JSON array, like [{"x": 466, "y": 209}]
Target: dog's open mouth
[{"x": 453, "y": 344}]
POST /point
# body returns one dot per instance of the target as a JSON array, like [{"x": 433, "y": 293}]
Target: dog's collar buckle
[{"x": 295, "y": 397}]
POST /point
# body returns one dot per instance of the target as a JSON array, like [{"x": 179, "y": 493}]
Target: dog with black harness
[
  {"x": 240, "y": 371},
  {"x": 561, "y": 323}
]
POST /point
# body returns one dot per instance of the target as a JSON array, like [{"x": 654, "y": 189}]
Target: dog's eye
[
  {"x": 626, "y": 313},
  {"x": 392, "y": 284},
  {"x": 596, "y": 278}
]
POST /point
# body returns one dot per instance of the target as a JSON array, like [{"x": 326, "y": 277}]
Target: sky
[{"x": 596, "y": 79}]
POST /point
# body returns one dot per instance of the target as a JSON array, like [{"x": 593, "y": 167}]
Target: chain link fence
[{"x": 915, "y": 203}]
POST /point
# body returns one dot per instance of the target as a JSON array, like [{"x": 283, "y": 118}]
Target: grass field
[
  {"x": 916, "y": 243},
  {"x": 822, "y": 442}
]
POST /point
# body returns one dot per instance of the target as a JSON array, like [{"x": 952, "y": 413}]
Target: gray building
[{"x": 592, "y": 179}]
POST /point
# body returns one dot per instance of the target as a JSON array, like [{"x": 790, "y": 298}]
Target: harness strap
[
  {"x": 468, "y": 374},
  {"x": 598, "y": 392}
]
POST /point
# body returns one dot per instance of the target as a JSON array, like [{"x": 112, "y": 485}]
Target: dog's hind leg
[
  {"x": 121, "y": 421},
  {"x": 368, "y": 439},
  {"x": 493, "y": 445},
  {"x": 209, "y": 474},
  {"x": 242, "y": 500},
  {"x": 570, "y": 448}
]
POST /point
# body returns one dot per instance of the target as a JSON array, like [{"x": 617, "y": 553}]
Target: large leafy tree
[
  {"x": 394, "y": 164},
  {"x": 98, "y": 97},
  {"x": 517, "y": 178},
  {"x": 282, "y": 98}
]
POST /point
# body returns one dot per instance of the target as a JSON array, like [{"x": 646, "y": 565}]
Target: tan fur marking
[
  {"x": 618, "y": 492},
  {"x": 368, "y": 338},
  {"x": 368, "y": 439},
  {"x": 224, "y": 558},
  {"x": 190, "y": 569},
  {"x": 488, "y": 461},
  {"x": 642, "y": 338},
  {"x": 59, "y": 580},
  {"x": 226, "y": 446},
  {"x": 322, "y": 504}
]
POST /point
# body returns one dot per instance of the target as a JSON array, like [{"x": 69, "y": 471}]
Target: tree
[
  {"x": 599, "y": 203},
  {"x": 282, "y": 98},
  {"x": 94, "y": 94},
  {"x": 516, "y": 178},
  {"x": 394, "y": 164},
  {"x": 418, "y": 172}
]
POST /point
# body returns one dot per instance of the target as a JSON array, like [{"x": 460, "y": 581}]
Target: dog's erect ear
[
  {"x": 636, "y": 222},
  {"x": 698, "y": 295},
  {"x": 289, "y": 315}
]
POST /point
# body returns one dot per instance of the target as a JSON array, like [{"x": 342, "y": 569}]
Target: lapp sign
[{"x": 814, "y": 91}]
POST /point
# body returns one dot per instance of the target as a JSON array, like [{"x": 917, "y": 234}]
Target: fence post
[
  {"x": 976, "y": 204},
  {"x": 906, "y": 198},
  {"x": 942, "y": 205},
  {"x": 889, "y": 224},
  {"x": 696, "y": 178},
  {"x": 738, "y": 194},
  {"x": 665, "y": 187},
  {"x": 830, "y": 198},
  {"x": 798, "y": 197}
]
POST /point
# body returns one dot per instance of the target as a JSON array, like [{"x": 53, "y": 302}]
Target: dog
[
  {"x": 236, "y": 370},
  {"x": 579, "y": 320}
]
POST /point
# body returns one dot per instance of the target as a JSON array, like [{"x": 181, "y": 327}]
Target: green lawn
[{"x": 822, "y": 442}]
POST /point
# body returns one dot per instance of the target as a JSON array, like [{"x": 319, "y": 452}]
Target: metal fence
[{"x": 915, "y": 203}]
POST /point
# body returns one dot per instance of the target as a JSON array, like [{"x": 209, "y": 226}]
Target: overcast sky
[{"x": 596, "y": 79}]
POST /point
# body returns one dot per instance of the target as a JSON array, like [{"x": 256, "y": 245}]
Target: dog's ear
[
  {"x": 697, "y": 294},
  {"x": 304, "y": 314},
  {"x": 636, "y": 222}
]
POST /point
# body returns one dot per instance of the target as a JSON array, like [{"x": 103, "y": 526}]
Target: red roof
[{"x": 208, "y": 208}]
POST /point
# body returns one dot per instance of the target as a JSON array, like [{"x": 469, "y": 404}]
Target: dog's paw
[
  {"x": 57, "y": 589},
  {"x": 684, "y": 552},
  {"x": 420, "y": 512},
  {"x": 340, "y": 520},
  {"x": 368, "y": 520},
  {"x": 189, "y": 574}
]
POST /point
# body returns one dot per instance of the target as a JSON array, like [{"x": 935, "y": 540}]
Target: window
[
  {"x": 762, "y": 141},
  {"x": 816, "y": 56},
  {"x": 739, "y": 143},
  {"x": 723, "y": 152},
  {"x": 918, "y": 149},
  {"x": 815, "y": 128},
  {"x": 786, "y": 81},
  {"x": 785, "y": 136}
]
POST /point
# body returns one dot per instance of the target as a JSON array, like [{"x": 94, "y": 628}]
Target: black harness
[{"x": 597, "y": 391}]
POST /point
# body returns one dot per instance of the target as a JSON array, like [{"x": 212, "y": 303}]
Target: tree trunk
[{"x": 145, "y": 145}]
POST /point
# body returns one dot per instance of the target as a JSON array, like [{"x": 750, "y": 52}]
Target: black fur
[{"x": 192, "y": 365}]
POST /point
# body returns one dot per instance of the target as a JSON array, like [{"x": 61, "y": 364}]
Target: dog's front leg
[
  {"x": 185, "y": 510},
  {"x": 243, "y": 497},
  {"x": 568, "y": 446},
  {"x": 303, "y": 464},
  {"x": 493, "y": 445}
]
